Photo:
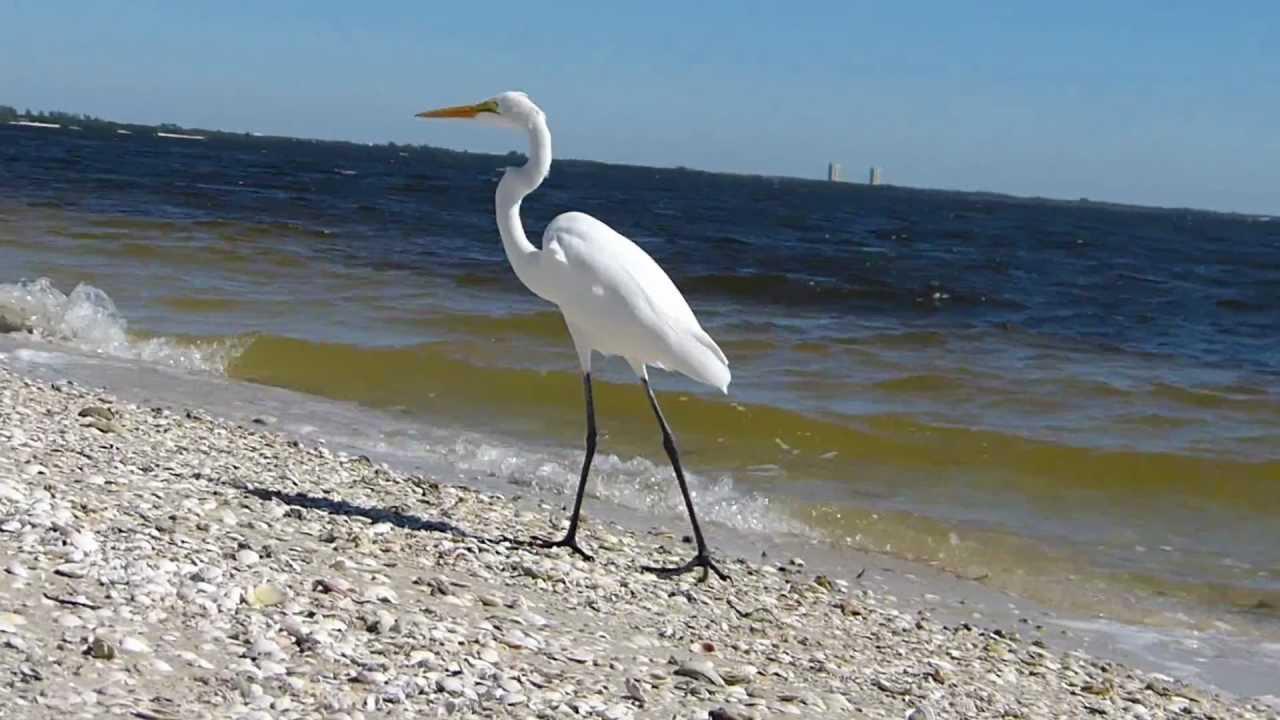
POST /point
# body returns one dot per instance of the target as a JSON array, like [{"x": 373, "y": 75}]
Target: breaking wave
[{"x": 88, "y": 320}]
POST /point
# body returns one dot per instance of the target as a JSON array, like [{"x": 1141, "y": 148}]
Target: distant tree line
[
  {"x": 92, "y": 124},
  {"x": 84, "y": 121},
  {"x": 8, "y": 113}
]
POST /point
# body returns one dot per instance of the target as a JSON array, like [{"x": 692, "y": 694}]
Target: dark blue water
[{"x": 1189, "y": 284}]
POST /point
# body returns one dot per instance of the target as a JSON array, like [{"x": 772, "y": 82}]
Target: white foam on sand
[
  {"x": 40, "y": 357},
  {"x": 87, "y": 319},
  {"x": 636, "y": 483}
]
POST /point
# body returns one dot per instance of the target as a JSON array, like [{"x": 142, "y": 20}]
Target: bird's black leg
[
  {"x": 570, "y": 539},
  {"x": 703, "y": 558}
]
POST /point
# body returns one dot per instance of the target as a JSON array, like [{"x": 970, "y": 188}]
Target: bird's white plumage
[{"x": 615, "y": 299}]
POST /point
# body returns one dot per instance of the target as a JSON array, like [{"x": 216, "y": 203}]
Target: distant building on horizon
[
  {"x": 835, "y": 173},
  {"x": 875, "y": 176}
]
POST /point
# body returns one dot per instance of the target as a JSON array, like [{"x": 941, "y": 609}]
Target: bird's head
[{"x": 510, "y": 109}]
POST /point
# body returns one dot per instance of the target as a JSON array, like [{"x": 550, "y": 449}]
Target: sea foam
[
  {"x": 88, "y": 320},
  {"x": 635, "y": 483}
]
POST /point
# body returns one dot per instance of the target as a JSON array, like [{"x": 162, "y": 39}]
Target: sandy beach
[{"x": 164, "y": 562}]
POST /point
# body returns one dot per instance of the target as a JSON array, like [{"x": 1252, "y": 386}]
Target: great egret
[{"x": 615, "y": 299}]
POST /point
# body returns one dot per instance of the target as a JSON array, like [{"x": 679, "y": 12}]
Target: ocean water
[{"x": 1075, "y": 402}]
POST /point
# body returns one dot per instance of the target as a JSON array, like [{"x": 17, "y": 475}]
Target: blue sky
[{"x": 1170, "y": 103}]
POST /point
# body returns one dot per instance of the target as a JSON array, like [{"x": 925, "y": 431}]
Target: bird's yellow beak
[{"x": 461, "y": 111}]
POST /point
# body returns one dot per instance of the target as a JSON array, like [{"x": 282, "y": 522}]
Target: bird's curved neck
[{"x": 516, "y": 183}]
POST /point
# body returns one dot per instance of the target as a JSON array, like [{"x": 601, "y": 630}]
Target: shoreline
[{"x": 231, "y": 569}]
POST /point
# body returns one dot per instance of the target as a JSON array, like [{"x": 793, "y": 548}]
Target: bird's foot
[
  {"x": 701, "y": 560},
  {"x": 568, "y": 541}
]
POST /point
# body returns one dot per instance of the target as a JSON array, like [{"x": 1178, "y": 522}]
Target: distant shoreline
[{"x": 85, "y": 123}]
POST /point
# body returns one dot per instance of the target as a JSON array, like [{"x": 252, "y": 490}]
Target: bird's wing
[
  {"x": 616, "y": 291},
  {"x": 601, "y": 262}
]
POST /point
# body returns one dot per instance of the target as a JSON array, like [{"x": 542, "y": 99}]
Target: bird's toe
[
  {"x": 569, "y": 542},
  {"x": 700, "y": 561}
]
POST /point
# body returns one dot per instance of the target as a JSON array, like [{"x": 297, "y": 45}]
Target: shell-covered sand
[{"x": 160, "y": 564}]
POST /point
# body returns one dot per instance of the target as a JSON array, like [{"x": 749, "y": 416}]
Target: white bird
[{"x": 615, "y": 299}]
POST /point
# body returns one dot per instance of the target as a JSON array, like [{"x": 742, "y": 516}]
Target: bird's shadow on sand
[
  {"x": 395, "y": 517},
  {"x": 390, "y": 516}
]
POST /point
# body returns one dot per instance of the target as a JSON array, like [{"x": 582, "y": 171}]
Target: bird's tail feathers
[{"x": 711, "y": 366}]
